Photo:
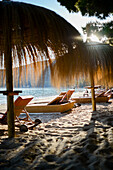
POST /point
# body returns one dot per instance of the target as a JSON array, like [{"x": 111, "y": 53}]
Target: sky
[{"x": 76, "y": 19}]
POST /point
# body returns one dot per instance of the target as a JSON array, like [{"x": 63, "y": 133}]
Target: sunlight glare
[{"x": 94, "y": 38}]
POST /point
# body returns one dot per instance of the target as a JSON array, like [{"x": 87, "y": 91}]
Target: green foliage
[
  {"x": 100, "y": 30},
  {"x": 99, "y": 8},
  {"x": 69, "y": 4},
  {"x": 108, "y": 29}
]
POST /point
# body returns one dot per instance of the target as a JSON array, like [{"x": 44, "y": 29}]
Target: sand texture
[{"x": 78, "y": 140}]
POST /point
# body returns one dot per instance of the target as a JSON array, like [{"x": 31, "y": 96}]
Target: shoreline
[{"x": 81, "y": 139}]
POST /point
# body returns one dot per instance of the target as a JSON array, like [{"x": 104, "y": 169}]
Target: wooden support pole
[
  {"x": 9, "y": 85},
  {"x": 93, "y": 93},
  {"x": 9, "y": 73}
]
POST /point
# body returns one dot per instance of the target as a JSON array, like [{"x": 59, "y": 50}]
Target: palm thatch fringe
[
  {"x": 93, "y": 58},
  {"x": 33, "y": 30}
]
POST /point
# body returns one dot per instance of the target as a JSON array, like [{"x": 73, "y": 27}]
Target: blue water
[{"x": 37, "y": 92}]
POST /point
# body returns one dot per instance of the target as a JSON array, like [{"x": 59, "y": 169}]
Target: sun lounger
[
  {"x": 49, "y": 108},
  {"x": 19, "y": 107},
  {"x": 100, "y": 97},
  {"x": 60, "y": 103}
]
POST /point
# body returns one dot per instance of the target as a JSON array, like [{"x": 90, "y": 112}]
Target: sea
[{"x": 38, "y": 93}]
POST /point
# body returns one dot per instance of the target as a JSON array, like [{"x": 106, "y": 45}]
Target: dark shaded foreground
[{"x": 80, "y": 140}]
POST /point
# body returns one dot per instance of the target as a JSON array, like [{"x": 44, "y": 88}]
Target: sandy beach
[{"x": 78, "y": 140}]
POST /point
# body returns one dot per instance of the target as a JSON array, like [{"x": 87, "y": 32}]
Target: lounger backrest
[
  {"x": 108, "y": 92},
  {"x": 67, "y": 96},
  {"x": 20, "y": 103},
  {"x": 63, "y": 93},
  {"x": 100, "y": 94},
  {"x": 56, "y": 100}
]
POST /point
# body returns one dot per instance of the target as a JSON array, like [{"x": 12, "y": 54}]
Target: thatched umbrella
[
  {"x": 26, "y": 29},
  {"x": 94, "y": 63}
]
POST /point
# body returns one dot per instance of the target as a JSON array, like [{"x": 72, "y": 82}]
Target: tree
[
  {"x": 99, "y": 8},
  {"x": 100, "y": 30},
  {"x": 107, "y": 31}
]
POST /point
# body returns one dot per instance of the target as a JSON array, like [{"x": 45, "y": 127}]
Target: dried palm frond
[
  {"x": 92, "y": 59},
  {"x": 33, "y": 30}
]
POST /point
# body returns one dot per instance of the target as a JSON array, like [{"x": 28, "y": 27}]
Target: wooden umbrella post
[
  {"x": 93, "y": 93},
  {"x": 10, "y": 105},
  {"x": 9, "y": 74},
  {"x": 9, "y": 85}
]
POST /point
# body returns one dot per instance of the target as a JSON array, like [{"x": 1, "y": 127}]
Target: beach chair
[
  {"x": 19, "y": 107},
  {"x": 67, "y": 95}
]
